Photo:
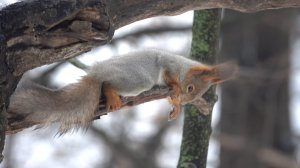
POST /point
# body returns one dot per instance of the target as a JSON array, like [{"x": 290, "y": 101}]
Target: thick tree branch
[
  {"x": 43, "y": 31},
  {"x": 129, "y": 11},
  {"x": 8, "y": 82}
]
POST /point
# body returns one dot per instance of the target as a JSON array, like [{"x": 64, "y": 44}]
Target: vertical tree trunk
[
  {"x": 197, "y": 128},
  {"x": 255, "y": 108},
  {"x": 7, "y": 85},
  {"x": 3, "y": 97}
]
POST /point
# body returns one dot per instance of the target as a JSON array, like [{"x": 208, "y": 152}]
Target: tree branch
[
  {"x": 43, "y": 32},
  {"x": 16, "y": 123}
]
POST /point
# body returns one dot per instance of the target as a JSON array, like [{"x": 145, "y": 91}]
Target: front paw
[
  {"x": 203, "y": 106},
  {"x": 174, "y": 113}
]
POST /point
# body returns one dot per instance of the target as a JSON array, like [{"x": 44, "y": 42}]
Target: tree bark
[
  {"x": 8, "y": 83},
  {"x": 43, "y": 31},
  {"x": 197, "y": 128}
]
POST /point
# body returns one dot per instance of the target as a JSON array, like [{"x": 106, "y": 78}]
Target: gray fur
[
  {"x": 139, "y": 71},
  {"x": 74, "y": 105}
]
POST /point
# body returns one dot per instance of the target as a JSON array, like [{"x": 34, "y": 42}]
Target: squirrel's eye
[{"x": 190, "y": 88}]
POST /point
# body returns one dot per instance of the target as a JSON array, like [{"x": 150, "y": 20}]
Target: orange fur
[
  {"x": 207, "y": 73},
  {"x": 201, "y": 69},
  {"x": 176, "y": 110},
  {"x": 172, "y": 81},
  {"x": 113, "y": 101},
  {"x": 214, "y": 79}
]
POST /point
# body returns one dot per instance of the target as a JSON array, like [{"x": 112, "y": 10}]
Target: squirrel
[{"x": 73, "y": 106}]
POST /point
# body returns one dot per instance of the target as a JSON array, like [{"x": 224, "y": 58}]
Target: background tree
[
  {"x": 255, "y": 122},
  {"x": 197, "y": 128}
]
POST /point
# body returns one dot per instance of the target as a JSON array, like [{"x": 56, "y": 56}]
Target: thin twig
[{"x": 78, "y": 64}]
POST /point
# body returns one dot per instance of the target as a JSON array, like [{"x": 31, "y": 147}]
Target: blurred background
[{"x": 256, "y": 122}]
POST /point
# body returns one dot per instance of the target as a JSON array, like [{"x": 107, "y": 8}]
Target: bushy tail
[{"x": 72, "y": 106}]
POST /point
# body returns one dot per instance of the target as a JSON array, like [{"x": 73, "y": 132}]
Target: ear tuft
[
  {"x": 214, "y": 74},
  {"x": 225, "y": 71},
  {"x": 199, "y": 70}
]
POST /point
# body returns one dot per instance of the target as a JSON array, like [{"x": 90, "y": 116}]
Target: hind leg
[{"x": 113, "y": 101}]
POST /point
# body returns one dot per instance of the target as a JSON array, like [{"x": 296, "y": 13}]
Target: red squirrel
[{"x": 74, "y": 105}]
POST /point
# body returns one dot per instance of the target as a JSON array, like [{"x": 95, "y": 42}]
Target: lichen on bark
[{"x": 197, "y": 129}]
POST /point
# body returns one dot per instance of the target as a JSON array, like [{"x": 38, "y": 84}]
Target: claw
[
  {"x": 176, "y": 108},
  {"x": 174, "y": 113}
]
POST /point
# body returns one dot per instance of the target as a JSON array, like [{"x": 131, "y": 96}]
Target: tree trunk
[
  {"x": 197, "y": 129},
  {"x": 8, "y": 83},
  {"x": 255, "y": 108}
]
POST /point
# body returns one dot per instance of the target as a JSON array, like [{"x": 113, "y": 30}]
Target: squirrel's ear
[
  {"x": 199, "y": 71},
  {"x": 221, "y": 72}
]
